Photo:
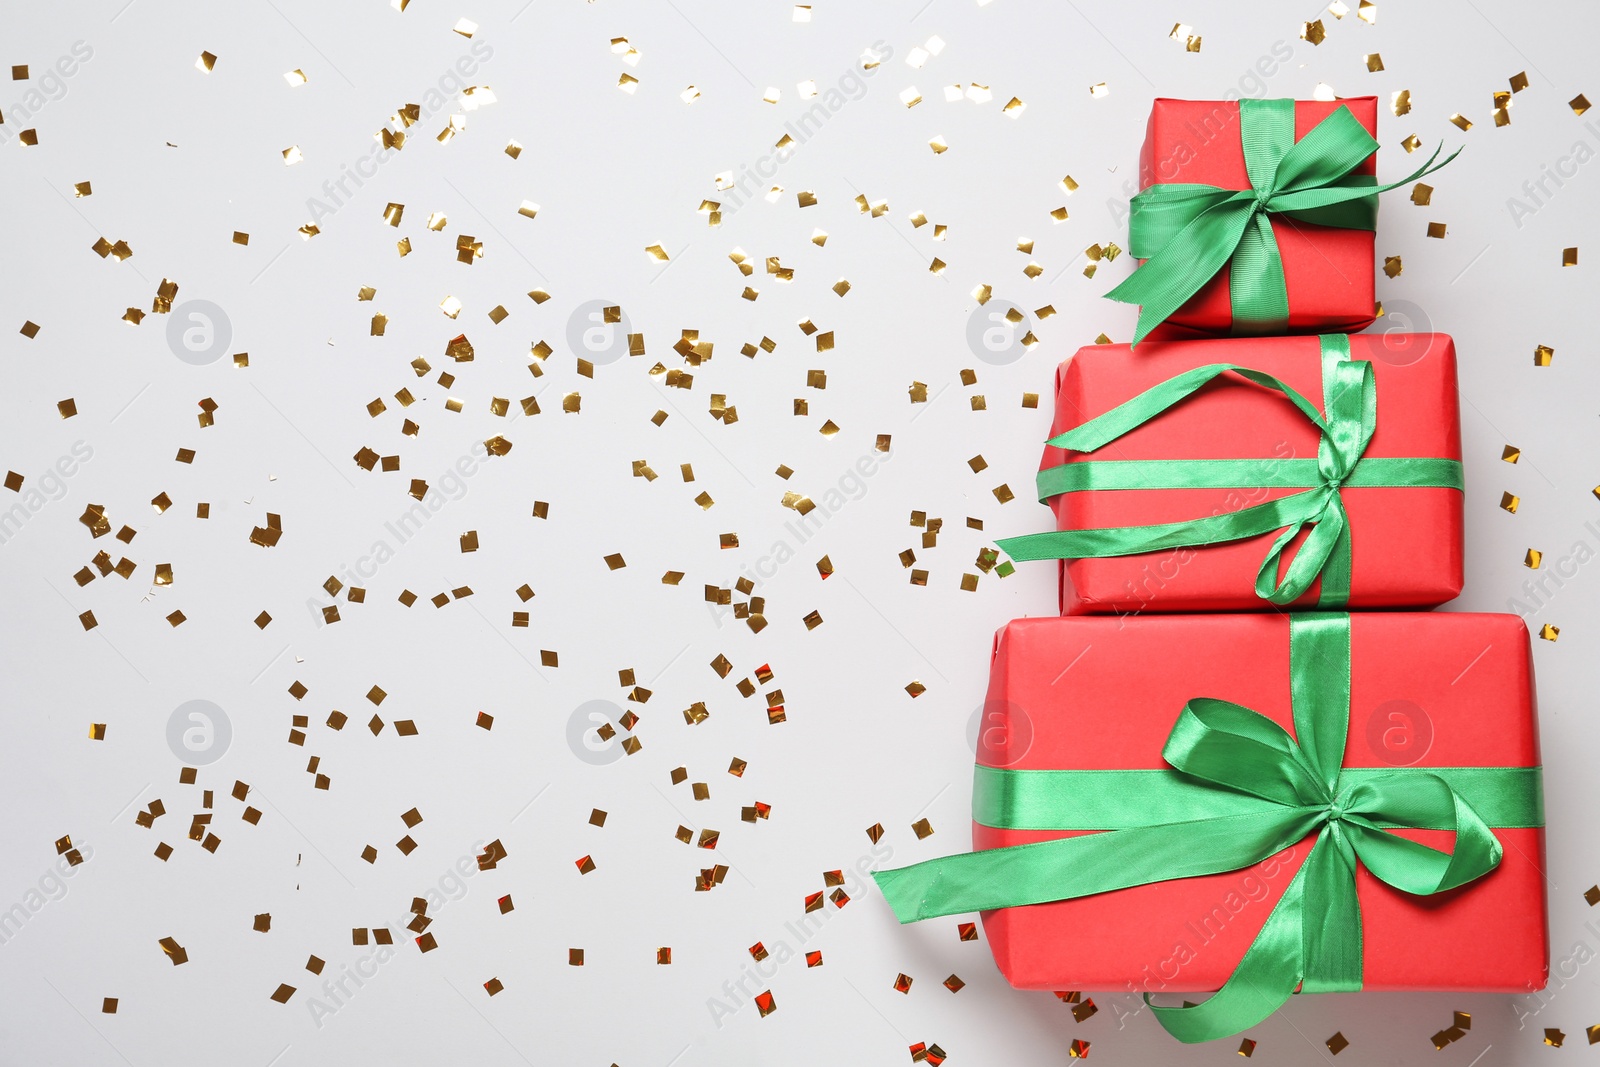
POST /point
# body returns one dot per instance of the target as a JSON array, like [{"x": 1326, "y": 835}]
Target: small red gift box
[
  {"x": 1405, "y": 543},
  {"x": 1428, "y": 692},
  {"x": 1328, "y": 270}
]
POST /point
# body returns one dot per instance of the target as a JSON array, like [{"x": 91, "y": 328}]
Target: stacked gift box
[{"x": 1246, "y": 760}]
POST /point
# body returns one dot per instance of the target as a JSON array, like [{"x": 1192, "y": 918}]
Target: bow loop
[
  {"x": 1325, "y": 515},
  {"x": 1417, "y": 800},
  {"x": 1243, "y": 751}
]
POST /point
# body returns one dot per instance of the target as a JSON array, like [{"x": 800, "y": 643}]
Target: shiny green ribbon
[
  {"x": 1187, "y": 232},
  {"x": 1351, "y": 405},
  {"x": 1239, "y": 790}
]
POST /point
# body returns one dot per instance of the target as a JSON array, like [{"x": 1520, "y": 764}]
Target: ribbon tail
[
  {"x": 1332, "y": 920},
  {"x": 1305, "y": 203},
  {"x": 1071, "y": 867},
  {"x": 1262, "y": 983},
  {"x": 1168, "y": 279},
  {"x": 1256, "y": 284},
  {"x": 1291, "y": 511}
]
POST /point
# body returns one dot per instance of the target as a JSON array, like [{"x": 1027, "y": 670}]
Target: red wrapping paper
[
  {"x": 1405, "y": 542},
  {"x": 1328, "y": 271},
  {"x": 1103, "y": 693}
]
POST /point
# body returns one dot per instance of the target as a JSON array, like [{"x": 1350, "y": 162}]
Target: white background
[{"x": 180, "y": 159}]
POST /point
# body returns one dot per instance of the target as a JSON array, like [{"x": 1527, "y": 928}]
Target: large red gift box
[
  {"x": 1406, "y": 544},
  {"x": 1328, "y": 270},
  {"x": 1428, "y": 690}
]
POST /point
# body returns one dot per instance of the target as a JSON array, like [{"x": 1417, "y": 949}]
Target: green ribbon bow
[
  {"x": 1240, "y": 790},
  {"x": 1350, "y": 401},
  {"x": 1187, "y": 232}
]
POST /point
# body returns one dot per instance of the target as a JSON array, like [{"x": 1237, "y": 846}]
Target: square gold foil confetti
[
  {"x": 1337, "y": 1043},
  {"x": 922, "y": 828}
]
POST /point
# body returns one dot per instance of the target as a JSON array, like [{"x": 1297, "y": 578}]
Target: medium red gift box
[
  {"x": 1328, "y": 270},
  {"x": 1427, "y": 690},
  {"x": 1405, "y": 542}
]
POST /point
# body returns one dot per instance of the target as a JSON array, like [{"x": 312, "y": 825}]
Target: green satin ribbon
[
  {"x": 1240, "y": 790},
  {"x": 1351, "y": 402},
  {"x": 1187, "y": 232}
]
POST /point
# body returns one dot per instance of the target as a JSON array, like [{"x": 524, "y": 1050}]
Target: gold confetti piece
[
  {"x": 1509, "y": 502},
  {"x": 1337, "y": 1043},
  {"x": 1392, "y": 266},
  {"x": 1247, "y": 1048},
  {"x": 1099, "y": 91},
  {"x": 1436, "y": 229},
  {"x": 1313, "y": 32},
  {"x": 1374, "y": 64},
  {"x": 1579, "y": 104},
  {"x": 657, "y": 252},
  {"x": 1003, "y": 494},
  {"x": 1569, "y": 257},
  {"x": 1549, "y": 632},
  {"x": 922, "y": 828},
  {"x": 206, "y": 63},
  {"x": 174, "y": 951},
  {"x": 291, "y": 155},
  {"x": 1554, "y": 1037},
  {"x": 939, "y": 145},
  {"x": 466, "y": 27},
  {"x": 1532, "y": 559},
  {"x": 1461, "y": 122},
  {"x": 29, "y": 137},
  {"x": 1421, "y": 194},
  {"x": 1542, "y": 355}
]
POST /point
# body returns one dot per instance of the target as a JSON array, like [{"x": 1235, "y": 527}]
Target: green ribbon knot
[
  {"x": 1345, "y": 427},
  {"x": 1187, "y": 232},
  {"x": 1239, "y": 790}
]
